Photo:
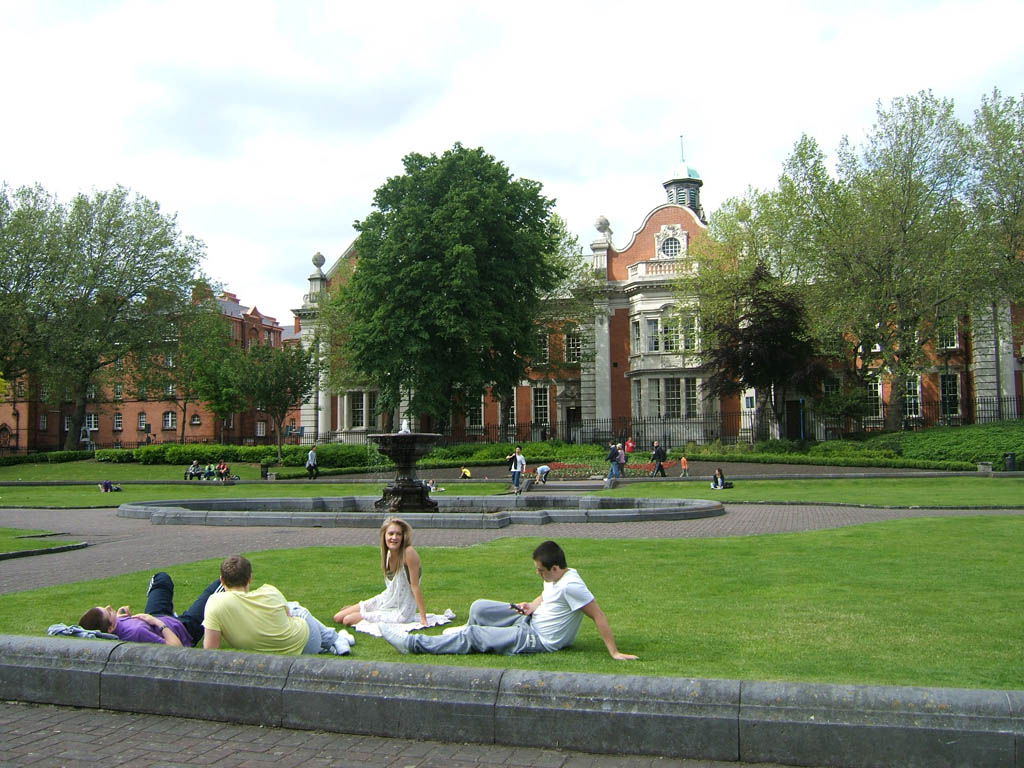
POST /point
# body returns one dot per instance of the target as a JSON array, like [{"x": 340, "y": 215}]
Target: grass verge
[
  {"x": 908, "y": 602},
  {"x": 969, "y": 491},
  {"x": 11, "y": 540}
]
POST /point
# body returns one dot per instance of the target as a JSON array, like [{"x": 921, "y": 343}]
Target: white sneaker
[
  {"x": 341, "y": 647},
  {"x": 347, "y": 635}
]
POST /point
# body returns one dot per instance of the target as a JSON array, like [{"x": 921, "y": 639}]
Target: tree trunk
[
  {"x": 184, "y": 421},
  {"x": 894, "y": 412},
  {"x": 72, "y": 440}
]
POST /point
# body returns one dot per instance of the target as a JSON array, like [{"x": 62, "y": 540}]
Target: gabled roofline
[{"x": 647, "y": 219}]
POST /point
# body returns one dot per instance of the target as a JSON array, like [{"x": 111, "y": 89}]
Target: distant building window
[
  {"x": 475, "y": 414},
  {"x": 67, "y": 423},
  {"x": 44, "y": 422},
  {"x": 356, "y": 412},
  {"x": 690, "y": 398},
  {"x": 688, "y": 340},
  {"x": 143, "y": 421},
  {"x": 168, "y": 361},
  {"x": 670, "y": 247},
  {"x": 748, "y": 402},
  {"x": 654, "y": 397},
  {"x": 44, "y": 393},
  {"x": 21, "y": 389},
  {"x": 912, "y": 397},
  {"x": 141, "y": 393},
  {"x": 540, "y": 405},
  {"x": 170, "y": 390},
  {"x": 510, "y": 412},
  {"x": 653, "y": 335},
  {"x": 949, "y": 394},
  {"x": 637, "y": 347},
  {"x": 268, "y": 337},
  {"x": 195, "y": 421},
  {"x": 673, "y": 402},
  {"x": 119, "y": 391},
  {"x": 92, "y": 422},
  {"x": 90, "y": 392},
  {"x": 118, "y": 422},
  {"x": 261, "y": 429},
  {"x": 874, "y": 409},
  {"x": 573, "y": 348},
  {"x": 830, "y": 387},
  {"x": 638, "y": 407},
  {"x": 170, "y": 419},
  {"x": 946, "y": 336},
  {"x": 229, "y": 422},
  {"x": 542, "y": 347}
]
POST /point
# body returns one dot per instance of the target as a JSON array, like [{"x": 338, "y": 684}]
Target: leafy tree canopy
[
  {"x": 276, "y": 379},
  {"x": 453, "y": 264}
]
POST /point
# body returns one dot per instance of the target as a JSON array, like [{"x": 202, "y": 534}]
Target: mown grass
[
  {"x": 97, "y": 471},
  {"x": 967, "y": 491},
  {"x": 910, "y": 602},
  {"x": 73, "y": 497},
  {"x": 12, "y": 540}
]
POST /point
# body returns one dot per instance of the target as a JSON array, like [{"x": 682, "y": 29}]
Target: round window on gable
[{"x": 670, "y": 247}]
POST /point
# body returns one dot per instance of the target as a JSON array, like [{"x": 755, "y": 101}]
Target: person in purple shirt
[{"x": 159, "y": 623}]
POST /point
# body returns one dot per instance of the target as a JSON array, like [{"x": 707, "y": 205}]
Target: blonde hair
[{"x": 406, "y": 543}]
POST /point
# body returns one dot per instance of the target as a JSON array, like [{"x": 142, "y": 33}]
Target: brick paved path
[{"x": 38, "y": 735}]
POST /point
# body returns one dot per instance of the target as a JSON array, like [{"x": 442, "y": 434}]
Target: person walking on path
[
  {"x": 684, "y": 467},
  {"x": 621, "y": 457},
  {"x": 518, "y": 467},
  {"x": 159, "y": 623},
  {"x": 311, "y": 465},
  {"x": 613, "y": 461},
  {"x": 658, "y": 456},
  {"x": 548, "y": 623}
]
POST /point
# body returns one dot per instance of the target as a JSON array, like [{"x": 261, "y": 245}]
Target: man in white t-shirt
[{"x": 548, "y": 623}]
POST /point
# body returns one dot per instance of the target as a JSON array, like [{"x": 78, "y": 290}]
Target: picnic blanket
[{"x": 433, "y": 620}]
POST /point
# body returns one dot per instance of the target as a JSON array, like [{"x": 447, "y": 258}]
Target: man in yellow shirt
[{"x": 262, "y": 620}]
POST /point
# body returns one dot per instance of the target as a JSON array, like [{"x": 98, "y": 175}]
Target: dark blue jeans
[{"x": 160, "y": 602}]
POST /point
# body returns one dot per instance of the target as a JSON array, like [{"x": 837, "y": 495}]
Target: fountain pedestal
[{"x": 406, "y": 494}]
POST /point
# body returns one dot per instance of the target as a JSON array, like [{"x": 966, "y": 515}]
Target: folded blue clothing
[{"x": 73, "y": 630}]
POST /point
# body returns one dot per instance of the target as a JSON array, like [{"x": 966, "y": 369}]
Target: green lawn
[
  {"x": 12, "y": 540},
  {"x": 966, "y": 491},
  {"x": 96, "y": 471},
  {"x": 911, "y": 602},
  {"x": 72, "y": 496}
]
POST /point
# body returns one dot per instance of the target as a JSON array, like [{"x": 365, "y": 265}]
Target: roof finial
[{"x": 682, "y": 149}]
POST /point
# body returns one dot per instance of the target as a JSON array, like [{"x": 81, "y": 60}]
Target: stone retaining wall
[{"x": 798, "y": 724}]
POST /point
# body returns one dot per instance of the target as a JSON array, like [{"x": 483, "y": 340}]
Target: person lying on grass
[
  {"x": 262, "y": 620},
  {"x": 159, "y": 623},
  {"x": 549, "y": 623}
]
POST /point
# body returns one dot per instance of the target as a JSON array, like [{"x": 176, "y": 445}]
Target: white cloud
[{"x": 267, "y": 125}]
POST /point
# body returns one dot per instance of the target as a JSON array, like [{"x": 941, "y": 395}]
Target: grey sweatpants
[
  {"x": 321, "y": 637},
  {"x": 492, "y": 627}
]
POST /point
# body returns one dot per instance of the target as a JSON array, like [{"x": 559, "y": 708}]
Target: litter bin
[
  {"x": 1010, "y": 462},
  {"x": 264, "y": 469}
]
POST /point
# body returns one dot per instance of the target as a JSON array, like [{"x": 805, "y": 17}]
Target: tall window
[
  {"x": 688, "y": 333},
  {"x": 170, "y": 390},
  {"x": 261, "y": 429},
  {"x": 540, "y": 405},
  {"x": 654, "y": 397},
  {"x": 669, "y": 335},
  {"x": 170, "y": 419},
  {"x": 949, "y": 394},
  {"x": 690, "y": 398},
  {"x": 510, "y": 411},
  {"x": 945, "y": 333},
  {"x": 638, "y": 403},
  {"x": 168, "y": 361},
  {"x": 44, "y": 422},
  {"x": 119, "y": 391},
  {"x": 874, "y": 399},
  {"x": 92, "y": 422},
  {"x": 118, "y": 422},
  {"x": 573, "y": 348},
  {"x": 637, "y": 344},
  {"x": 372, "y": 408},
  {"x": 475, "y": 413},
  {"x": 143, "y": 421},
  {"x": 21, "y": 389},
  {"x": 912, "y": 397},
  {"x": 653, "y": 335},
  {"x": 356, "y": 414},
  {"x": 673, "y": 399},
  {"x": 542, "y": 347},
  {"x": 67, "y": 423},
  {"x": 90, "y": 392}
]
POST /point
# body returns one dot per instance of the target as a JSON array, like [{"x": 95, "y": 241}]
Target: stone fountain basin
[{"x": 452, "y": 512}]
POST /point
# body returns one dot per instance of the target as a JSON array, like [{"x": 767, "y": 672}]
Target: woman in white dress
[{"x": 402, "y": 598}]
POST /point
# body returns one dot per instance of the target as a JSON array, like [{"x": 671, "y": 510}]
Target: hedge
[{"x": 53, "y": 457}]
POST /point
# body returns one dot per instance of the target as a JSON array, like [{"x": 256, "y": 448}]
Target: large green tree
[
  {"x": 453, "y": 264},
  {"x": 123, "y": 282},
  {"x": 277, "y": 379},
  {"x": 885, "y": 246}
]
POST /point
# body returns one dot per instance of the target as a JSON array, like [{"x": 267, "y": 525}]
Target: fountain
[{"x": 405, "y": 494}]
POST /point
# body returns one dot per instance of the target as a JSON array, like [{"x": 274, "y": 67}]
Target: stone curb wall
[{"x": 729, "y": 720}]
